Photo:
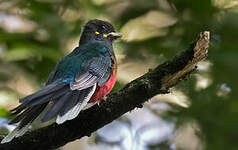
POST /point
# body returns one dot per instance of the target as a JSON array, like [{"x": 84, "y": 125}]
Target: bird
[{"x": 86, "y": 75}]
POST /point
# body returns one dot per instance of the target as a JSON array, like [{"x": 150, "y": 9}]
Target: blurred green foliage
[{"x": 51, "y": 28}]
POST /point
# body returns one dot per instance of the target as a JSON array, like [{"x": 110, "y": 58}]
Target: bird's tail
[
  {"x": 64, "y": 104},
  {"x": 31, "y": 107},
  {"x": 15, "y": 133},
  {"x": 28, "y": 116}
]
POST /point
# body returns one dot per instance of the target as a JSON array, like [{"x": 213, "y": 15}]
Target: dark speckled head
[{"x": 98, "y": 30}]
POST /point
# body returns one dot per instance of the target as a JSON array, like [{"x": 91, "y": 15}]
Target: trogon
[{"x": 86, "y": 75}]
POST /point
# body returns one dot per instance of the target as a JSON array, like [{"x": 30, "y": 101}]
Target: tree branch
[{"x": 133, "y": 95}]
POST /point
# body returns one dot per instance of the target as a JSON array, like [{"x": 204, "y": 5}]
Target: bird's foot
[
  {"x": 98, "y": 103},
  {"x": 104, "y": 98}
]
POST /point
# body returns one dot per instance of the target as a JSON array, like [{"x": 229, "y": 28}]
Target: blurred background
[{"x": 199, "y": 114}]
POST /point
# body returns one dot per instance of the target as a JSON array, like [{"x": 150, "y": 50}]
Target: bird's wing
[{"x": 96, "y": 70}]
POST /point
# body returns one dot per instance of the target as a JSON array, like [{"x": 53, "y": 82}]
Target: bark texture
[{"x": 133, "y": 95}]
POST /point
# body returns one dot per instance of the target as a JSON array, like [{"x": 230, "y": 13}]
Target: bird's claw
[
  {"x": 98, "y": 103},
  {"x": 104, "y": 98}
]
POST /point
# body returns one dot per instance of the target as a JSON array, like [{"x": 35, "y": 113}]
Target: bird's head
[{"x": 99, "y": 30}]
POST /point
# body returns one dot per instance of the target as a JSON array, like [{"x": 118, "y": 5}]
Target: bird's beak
[{"x": 115, "y": 34}]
